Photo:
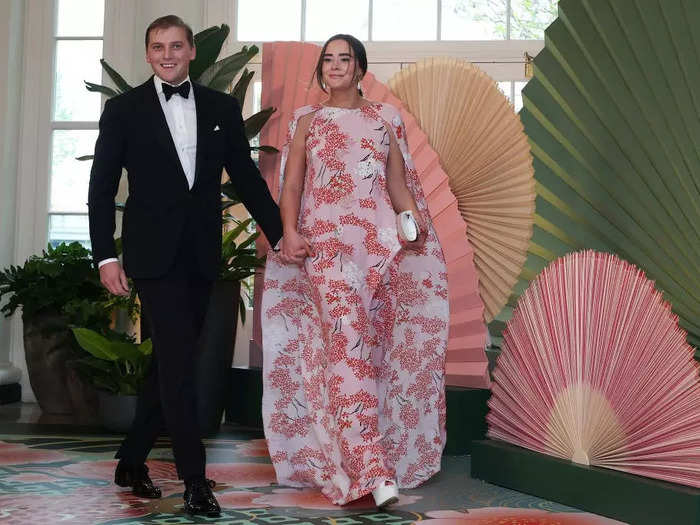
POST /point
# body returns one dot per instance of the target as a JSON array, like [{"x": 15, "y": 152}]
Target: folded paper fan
[
  {"x": 595, "y": 369},
  {"x": 486, "y": 155},
  {"x": 287, "y": 74}
]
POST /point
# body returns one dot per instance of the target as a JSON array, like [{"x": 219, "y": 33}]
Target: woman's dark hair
[{"x": 358, "y": 51}]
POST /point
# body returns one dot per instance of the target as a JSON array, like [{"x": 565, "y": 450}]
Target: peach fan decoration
[{"x": 485, "y": 152}]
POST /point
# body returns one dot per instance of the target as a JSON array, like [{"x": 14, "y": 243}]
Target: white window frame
[
  {"x": 64, "y": 124},
  {"x": 503, "y": 60},
  {"x": 370, "y": 18}
]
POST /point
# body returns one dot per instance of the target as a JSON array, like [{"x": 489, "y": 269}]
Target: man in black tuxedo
[{"x": 173, "y": 137}]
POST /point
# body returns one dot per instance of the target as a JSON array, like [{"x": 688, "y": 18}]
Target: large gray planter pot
[
  {"x": 215, "y": 357},
  {"x": 117, "y": 411},
  {"x": 84, "y": 399},
  {"x": 47, "y": 351}
]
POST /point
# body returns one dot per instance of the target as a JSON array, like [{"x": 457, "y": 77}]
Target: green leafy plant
[
  {"x": 114, "y": 364},
  {"x": 64, "y": 281},
  {"x": 48, "y": 282},
  {"x": 238, "y": 261},
  {"x": 61, "y": 288}
]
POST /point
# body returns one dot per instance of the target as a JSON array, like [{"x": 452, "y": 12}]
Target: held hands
[
  {"x": 113, "y": 278},
  {"x": 294, "y": 248}
]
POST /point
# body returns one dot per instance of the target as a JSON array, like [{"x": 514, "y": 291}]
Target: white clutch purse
[{"x": 407, "y": 226}]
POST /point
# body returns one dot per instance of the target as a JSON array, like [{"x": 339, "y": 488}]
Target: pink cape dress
[{"x": 354, "y": 341}]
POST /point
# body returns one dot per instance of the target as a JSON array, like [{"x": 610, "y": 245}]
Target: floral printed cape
[{"x": 354, "y": 340}]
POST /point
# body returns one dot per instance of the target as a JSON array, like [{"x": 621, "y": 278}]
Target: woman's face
[{"x": 338, "y": 69}]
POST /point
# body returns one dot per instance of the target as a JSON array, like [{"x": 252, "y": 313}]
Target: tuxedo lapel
[{"x": 159, "y": 125}]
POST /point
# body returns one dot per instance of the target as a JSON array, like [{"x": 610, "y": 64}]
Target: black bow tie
[{"x": 183, "y": 90}]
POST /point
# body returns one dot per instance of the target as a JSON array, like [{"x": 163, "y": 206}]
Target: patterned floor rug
[{"x": 50, "y": 479}]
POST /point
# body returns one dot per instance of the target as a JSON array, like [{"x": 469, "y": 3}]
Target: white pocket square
[{"x": 217, "y": 128}]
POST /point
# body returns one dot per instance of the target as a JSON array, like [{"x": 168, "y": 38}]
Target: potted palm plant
[
  {"x": 116, "y": 367},
  {"x": 238, "y": 260},
  {"x": 54, "y": 290}
]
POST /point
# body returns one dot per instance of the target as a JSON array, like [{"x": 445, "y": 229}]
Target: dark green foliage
[
  {"x": 115, "y": 363},
  {"x": 241, "y": 86},
  {"x": 219, "y": 75},
  {"x": 239, "y": 261},
  {"x": 208, "y": 44},
  {"x": 64, "y": 281},
  {"x": 61, "y": 279},
  {"x": 255, "y": 123}
]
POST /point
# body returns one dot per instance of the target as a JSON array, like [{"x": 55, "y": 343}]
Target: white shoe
[{"x": 386, "y": 494}]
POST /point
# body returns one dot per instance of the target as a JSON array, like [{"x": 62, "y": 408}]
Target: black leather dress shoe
[
  {"x": 136, "y": 478},
  {"x": 199, "y": 499}
]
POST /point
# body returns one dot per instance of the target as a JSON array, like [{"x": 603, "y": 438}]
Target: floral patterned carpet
[{"x": 52, "y": 479}]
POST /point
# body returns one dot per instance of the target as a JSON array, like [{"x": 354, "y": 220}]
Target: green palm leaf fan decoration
[{"x": 613, "y": 119}]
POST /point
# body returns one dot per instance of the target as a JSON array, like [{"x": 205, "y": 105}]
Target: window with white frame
[
  {"x": 400, "y": 24},
  {"x": 78, "y": 32},
  {"x": 394, "y": 20}
]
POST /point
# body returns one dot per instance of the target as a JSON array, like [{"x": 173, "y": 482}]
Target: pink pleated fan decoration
[
  {"x": 287, "y": 72},
  {"x": 595, "y": 369}
]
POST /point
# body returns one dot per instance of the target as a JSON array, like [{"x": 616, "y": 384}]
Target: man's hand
[
  {"x": 113, "y": 278},
  {"x": 294, "y": 248}
]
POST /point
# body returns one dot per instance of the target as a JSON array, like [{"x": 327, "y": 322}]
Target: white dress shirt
[{"x": 181, "y": 117}]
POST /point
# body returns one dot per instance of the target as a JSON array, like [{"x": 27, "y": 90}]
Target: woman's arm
[
  {"x": 401, "y": 198},
  {"x": 400, "y": 195},
  {"x": 294, "y": 247}
]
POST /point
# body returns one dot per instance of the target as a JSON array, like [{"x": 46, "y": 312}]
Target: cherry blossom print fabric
[{"x": 354, "y": 341}]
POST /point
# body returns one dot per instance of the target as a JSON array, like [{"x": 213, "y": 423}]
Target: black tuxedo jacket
[{"x": 134, "y": 134}]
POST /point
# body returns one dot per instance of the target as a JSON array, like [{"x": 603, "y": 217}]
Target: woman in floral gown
[{"x": 354, "y": 320}]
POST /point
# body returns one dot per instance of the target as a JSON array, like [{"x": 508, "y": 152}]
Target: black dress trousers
[{"x": 175, "y": 306}]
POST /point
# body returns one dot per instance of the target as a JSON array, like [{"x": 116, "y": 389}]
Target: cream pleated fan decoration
[
  {"x": 596, "y": 369},
  {"x": 486, "y": 155}
]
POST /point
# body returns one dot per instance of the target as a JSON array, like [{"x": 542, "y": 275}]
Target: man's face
[{"x": 169, "y": 54}]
